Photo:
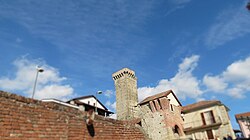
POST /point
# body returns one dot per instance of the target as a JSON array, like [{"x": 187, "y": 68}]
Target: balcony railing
[{"x": 199, "y": 124}]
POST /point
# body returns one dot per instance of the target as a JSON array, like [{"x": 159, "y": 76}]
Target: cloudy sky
[{"x": 199, "y": 49}]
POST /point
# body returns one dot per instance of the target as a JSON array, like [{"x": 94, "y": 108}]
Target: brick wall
[{"x": 24, "y": 118}]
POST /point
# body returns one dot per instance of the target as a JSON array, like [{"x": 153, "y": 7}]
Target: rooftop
[
  {"x": 159, "y": 95},
  {"x": 199, "y": 105},
  {"x": 246, "y": 114},
  {"x": 85, "y": 97}
]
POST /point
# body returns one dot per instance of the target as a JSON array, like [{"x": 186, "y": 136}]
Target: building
[
  {"x": 86, "y": 103},
  {"x": 243, "y": 120},
  {"x": 161, "y": 116},
  {"x": 207, "y": 120},
  {"x": 126, "y": 93},
  {"x": 59, "y": 102},
  {"x": 158, "y": 115}
]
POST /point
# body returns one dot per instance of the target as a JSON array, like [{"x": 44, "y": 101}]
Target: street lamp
[
  {"x": 38, "y": 69},
  {"x": 248, "y": 6},
  {"x": 98, "y": 92}
]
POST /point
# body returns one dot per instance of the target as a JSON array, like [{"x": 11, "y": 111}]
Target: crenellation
[{"x": 123, "y": 73}]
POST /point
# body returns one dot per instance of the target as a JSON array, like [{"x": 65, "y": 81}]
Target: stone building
[
  {"x": 159, "y": 115},
  {"x": 207, "y": 120},
  {"x": 126, "y": 93},
  {"x": 243, "y": 119}
]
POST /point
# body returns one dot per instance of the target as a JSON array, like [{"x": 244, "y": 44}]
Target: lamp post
[
  {"x": 98, "y": 92},
  {"x": 38, "y": 69},
  {"x": 248, "y": 5}
]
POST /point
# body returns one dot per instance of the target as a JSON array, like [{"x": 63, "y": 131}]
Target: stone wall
[
  {"x": 28, "y": 119},
  {"x": 159, "y": 121}
]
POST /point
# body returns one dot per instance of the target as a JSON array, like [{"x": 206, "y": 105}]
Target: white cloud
[
  {"x": 114, "y": 105},
  {"x": 234, "y": 81},
  {"x": 214, "y": 83},
  {"x": 109, "y": 93},
  {"x": 54, "y": 91},
  {"x": 184, "y": 84},
  {"x": 236, "y": 92},
  {"x": 111, "y": 106},
  {"x": 49, "y": 84},
  {"x": 238, "y": 71},
  {"x": 179, "y": 2},
  {"x": 108, "y": 103},
  {"x": 231, "y": 24},
  {"x": 176, "y": 5},
  {"x": 189, "y": 64}
]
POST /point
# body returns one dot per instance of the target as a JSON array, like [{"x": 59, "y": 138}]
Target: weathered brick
[{"x": 27, "y": 119}]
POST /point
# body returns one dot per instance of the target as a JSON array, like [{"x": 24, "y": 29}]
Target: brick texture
[{"x": 28, "y": 119}]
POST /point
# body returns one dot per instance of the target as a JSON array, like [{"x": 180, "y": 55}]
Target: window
[
  {"x": 210, "y": 134},
  {"x": 88, "y": 102},
  {"x": 177, "y": 130},
  {"x": 159, "y": 103},
  {"x": 171, "y": 107},
  {"x": 208, "y": 117}
]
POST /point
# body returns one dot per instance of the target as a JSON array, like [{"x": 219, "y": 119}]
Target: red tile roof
[
  {"x": 199, "y": 105},
  {"x": 157, "y": 96},
  {"x": 246, "y": 114}
]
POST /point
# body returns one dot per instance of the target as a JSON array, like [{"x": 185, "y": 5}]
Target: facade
[
  {"x": 161, "y": 116},
  {"x": 85, "y": 103},
  {"x": 207, "y": 120},
  {"x": 243, "y": 120},
  {"x": 126, "y": 93}
]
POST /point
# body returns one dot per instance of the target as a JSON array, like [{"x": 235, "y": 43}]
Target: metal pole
[
  {"x": 96, "y": 104},
  {"x": 34, "y": 88},
  {"x": 98, "y": 92}
]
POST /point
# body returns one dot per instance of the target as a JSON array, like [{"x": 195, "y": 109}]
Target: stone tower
[{"x": 126, "y": 93}]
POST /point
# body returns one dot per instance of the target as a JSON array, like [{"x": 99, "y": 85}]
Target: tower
[{"x": 126, "y": 93}]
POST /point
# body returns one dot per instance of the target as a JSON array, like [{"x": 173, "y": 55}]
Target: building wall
[
  {"x": 158, "y": 120},
  {"x": 245, "y": 130},
  {"x": 92, "y": 101},
  {"x": 23, "y": 119},
  {"x": 194, "y": 119},
  {"x": 126, "y": 93}
]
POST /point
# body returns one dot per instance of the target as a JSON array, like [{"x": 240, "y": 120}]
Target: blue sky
[{"x": 200, "y": 49}]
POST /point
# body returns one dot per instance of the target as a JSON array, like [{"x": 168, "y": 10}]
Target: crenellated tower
[{"x": 126, "y": 93}]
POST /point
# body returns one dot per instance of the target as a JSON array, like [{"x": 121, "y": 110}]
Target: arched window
[{"x": 177, "y": 130}]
